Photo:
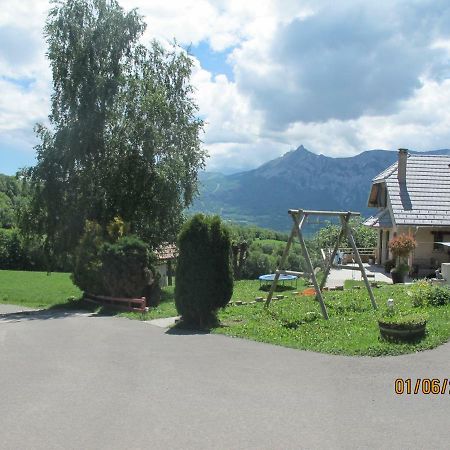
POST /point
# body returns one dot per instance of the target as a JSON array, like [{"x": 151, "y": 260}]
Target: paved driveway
[
  {"x": 337, "y": 277},
  {"x": 75, "y": 381}
]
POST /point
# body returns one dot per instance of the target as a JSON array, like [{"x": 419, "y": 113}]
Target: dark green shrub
[
  {"x": 257, "y": 264},
  {"x": 420, "y": 292},
  {"x": 389, "y": 265},
  {"x": 152, "y": 292},
  {"x": 17, "y": 253},
  {"x": 204, "y": 275},
  {"x": 121, "y": 268},
  {"x": 125, "y": 267},
  {"x": 295, "y": 262},
  {"x": 267, "y": 248},
  {"x": 439, "y": 296},
  {"x": 87, "y": 264}
]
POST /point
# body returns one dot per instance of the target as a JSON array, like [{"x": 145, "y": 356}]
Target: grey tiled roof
[
  {"x": 381, "y": 176},
  {"x": 425, "y": 197},
  {"x": 380, "y": 220}
]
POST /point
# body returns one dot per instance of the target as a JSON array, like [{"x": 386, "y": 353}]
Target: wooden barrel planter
[
  {"x": 124, "y": 304},
  {"x": 402, "y": 331}
]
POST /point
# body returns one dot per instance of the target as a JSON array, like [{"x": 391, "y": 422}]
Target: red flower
[{"x": 402, "y": 245}]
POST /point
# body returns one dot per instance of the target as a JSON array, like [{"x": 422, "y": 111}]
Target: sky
[{"x": 337, "y": 77}]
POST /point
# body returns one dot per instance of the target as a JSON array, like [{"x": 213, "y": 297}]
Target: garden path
[{"x": 338, "y": 276}]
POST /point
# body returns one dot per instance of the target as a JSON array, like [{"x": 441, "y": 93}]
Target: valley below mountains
[{"x": 298, "y": 179}]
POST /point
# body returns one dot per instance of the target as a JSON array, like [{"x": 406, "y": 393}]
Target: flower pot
[
  {"x": 402, "y": 331},
  {"x": 398, "y": 277}
]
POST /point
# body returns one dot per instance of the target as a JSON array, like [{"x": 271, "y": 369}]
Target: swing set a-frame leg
[
  {"x": 333, "y": 254},
  {"x": 309, "y": 266},
  {"x": 360, "y": 264},
  {"x": 281, "y": 266}
]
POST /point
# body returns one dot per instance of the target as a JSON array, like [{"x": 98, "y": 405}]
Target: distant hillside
[{"x": 298, "y": 179}]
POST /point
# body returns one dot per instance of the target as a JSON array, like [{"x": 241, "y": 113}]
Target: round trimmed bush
[
  {"x": 111, "y": 265},
  {"x": 204, "y": 273},
  {"x": 125, "y": 268}
]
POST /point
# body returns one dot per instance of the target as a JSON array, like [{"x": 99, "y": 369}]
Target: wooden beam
[
  {"x": 309, "y": 266},
  {"x": 340, "y": 266},
  {"x": 291, "y": 272},
  {"x": 310, "y": 212},
  {"x": 358, "y": 260},
  {"x": 282, "y": 262},
  {"x": 333, "y": 254}
]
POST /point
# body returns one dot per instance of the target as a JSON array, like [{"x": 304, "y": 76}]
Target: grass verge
[
  {"x": 352, "y": 328},
  {"x": 36, "y": 289},
  {"x": 293, "y": 322}
]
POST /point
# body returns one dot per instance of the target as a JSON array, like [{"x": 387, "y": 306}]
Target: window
[{"x": 440, "y": 236}]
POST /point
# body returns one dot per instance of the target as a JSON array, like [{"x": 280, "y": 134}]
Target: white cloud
[{"x": 339, "y": 78}]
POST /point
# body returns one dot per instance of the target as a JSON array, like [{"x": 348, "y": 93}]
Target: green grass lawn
[
  {"x": 352, "y": 328},
  {"x": 245, "y": 290},
  {"x": 294, "y": 321},
  {"x": 36, "y": 289},
  {"x": 41, "y": 290}
]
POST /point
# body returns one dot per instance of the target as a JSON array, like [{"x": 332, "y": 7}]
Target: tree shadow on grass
[
  {"x": 62, "y": 310},
  {"x": 183, "y": 329},
  {"x": 279, "y": 288}
]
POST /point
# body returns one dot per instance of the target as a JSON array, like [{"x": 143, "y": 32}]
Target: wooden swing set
[{"x": 299, "y": 216}]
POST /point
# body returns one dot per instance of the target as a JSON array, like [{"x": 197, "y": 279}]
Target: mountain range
[{"x": 298, "y": 179}]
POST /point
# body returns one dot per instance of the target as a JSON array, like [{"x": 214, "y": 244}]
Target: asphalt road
[{"x": 79, "y": 382}]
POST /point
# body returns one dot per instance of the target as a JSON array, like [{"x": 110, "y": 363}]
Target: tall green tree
[
  {"x": 204, "y": 271},
  {"x": 124, "y": 135}
]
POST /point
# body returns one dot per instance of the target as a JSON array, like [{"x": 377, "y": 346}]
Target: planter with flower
[
  {"x": 401, "y": 246},
  {"x": 396, "y": 325}
]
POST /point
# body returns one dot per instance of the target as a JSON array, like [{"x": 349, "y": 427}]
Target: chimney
[{"x": 401, "y": 165}]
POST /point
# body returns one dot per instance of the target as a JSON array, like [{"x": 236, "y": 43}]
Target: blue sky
[{"x": 337, "y": 77}]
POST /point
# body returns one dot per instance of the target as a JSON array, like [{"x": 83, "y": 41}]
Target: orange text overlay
[{"x": 427, "y": 386}]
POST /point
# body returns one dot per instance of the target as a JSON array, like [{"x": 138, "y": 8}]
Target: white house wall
[
  {"x": 425, "y": 253},
  {"x": 162, "y": 270}
]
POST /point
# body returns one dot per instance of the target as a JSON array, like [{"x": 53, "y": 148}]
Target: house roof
[
  {"x": 166, "y": 252},
  {"x": 424, "y": 199},
  {"x": 382, "y": 219}
]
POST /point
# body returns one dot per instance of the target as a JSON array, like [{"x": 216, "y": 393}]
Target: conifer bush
[
  {"x": 125, "y": 267},
  {"x": 110, "y": 262},
  {"x": 204, "y": 273}
]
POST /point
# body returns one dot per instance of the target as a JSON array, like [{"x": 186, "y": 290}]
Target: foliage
[
  {"x": 365, "y": 237},
  {"x": 18, "y": 253},
  {"x": 204, "y": 274},
  {"x": 124, "y": 136},
  {"x": 389, "y": 265},
  {"x": 117, "y": 228},
  {"x": 240, "y": 255},
  {"x": 112, "y": 263},
  {"x": 402, "y": 245},
  {"x": 439, "y": 296},
  {"x": 401, "y": 269},
  {"x": 351, "y": 330},
  {"x": 241, "y": 233},
  {"x": 420, "y": 292},
  {"x": 87, "y": 264},
  {"x": 403, "y": 321},
  {"x": 125, "y": 267},
  {"x": 258, "y": 263}
]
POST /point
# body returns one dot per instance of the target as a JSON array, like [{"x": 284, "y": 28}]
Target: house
[
  {"x": 413, "y": 196},
  {"x": 165, "y": 255}
]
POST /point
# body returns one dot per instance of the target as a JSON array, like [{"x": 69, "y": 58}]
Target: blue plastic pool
[{"x": 271, "y": 277}]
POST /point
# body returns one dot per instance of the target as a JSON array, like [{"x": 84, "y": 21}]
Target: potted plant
[
  {"x": 401, "y": 246},
  {"x": 398, "y": 273},
  {"x": 402, "y": 327}
]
